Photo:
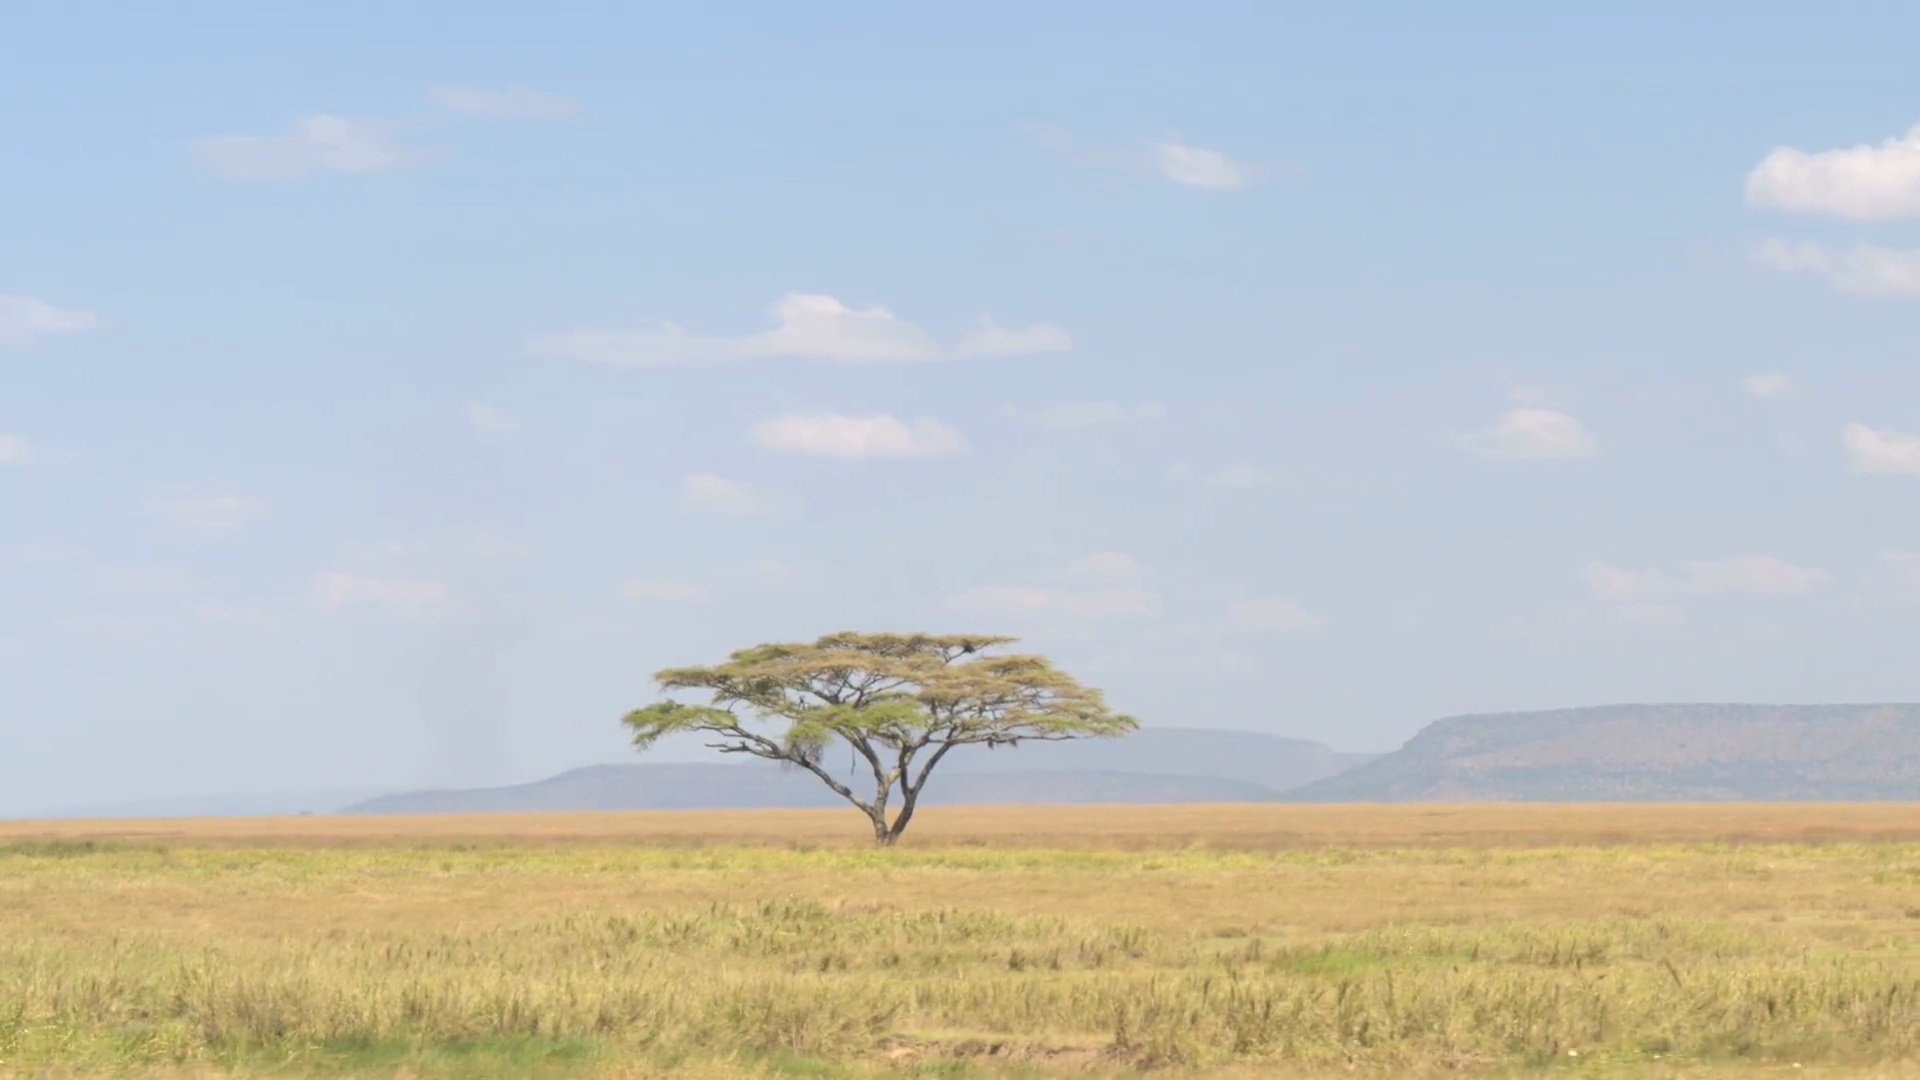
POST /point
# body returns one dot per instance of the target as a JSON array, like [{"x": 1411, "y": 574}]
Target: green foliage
[{"x": 900, "y": 701}]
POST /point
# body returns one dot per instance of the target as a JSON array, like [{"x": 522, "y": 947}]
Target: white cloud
[
  {"x": 1876, "y": 450},
  {"x": 491, "y": 419},
  {"x": 664, "y": 591},
  {"x": 13, "y": 449},
  {"x": 808, "y": 326},
  {"x": 1761, "y": 575},
  {"x": 507, "y": 102},
  {"x": 1108, "y": 566},
  {"x": 334, "y": 593},
  {"x": 766, "y": 571},
  {"x": 1536, "y": 434},
  {"x": 718, "y": 495},
  {"x": 1863, "y": 270},
  {"x": 453, "y": 570},
  {"x": 1082, "y": 415},
  {"x": 1648, "y": 596},
  {"x": 1271, "y": 615},
  {"x": 849, "y": 437},
  {"x": 317, "y": 144},
  {"x": 1617, "y": 586},
  {"x": 1772, "y": 384},
  {"x": 1104, "y": 584},
  {"x": 1181, "y": 162},
  {"x": 1862, "y": 183},
  {"x": 26, "y": 321},
  {"x": 991, "y": 339},
  {"x": 209, "y": 515},
  {"x": 1198, "y": 167}
]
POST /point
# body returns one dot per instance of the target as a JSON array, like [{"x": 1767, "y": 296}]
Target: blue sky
[{"x": 384, "y": 393}]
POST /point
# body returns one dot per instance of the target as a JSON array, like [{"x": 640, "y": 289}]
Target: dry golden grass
[
  {"x": 1235, "y": 826},
  {"x": 1232, "y": 941}
]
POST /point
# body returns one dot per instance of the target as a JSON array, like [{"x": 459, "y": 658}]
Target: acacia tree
[{"x": 901, "y": 701}]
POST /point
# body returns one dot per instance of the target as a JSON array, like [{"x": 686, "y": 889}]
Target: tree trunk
[
  {"x": 882, "y": 790},
  {"x": 906, "y": 815}
]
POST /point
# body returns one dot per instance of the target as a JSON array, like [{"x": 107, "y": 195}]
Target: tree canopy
[{"x": 900, "y": 701}]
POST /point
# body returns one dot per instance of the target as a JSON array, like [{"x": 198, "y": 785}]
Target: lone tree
[{"x": 901, "y": 701}]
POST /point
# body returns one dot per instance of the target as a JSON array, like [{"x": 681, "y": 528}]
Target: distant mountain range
[
  {"x": 1648, "y": 753},
  {"x": 1609, "y": 753},
  {"x": 672, "y": 786},
  {"x": 1156, "y": 765}
]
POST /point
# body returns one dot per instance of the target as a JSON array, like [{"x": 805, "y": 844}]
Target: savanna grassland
[{"x": 1233, "y": 941}]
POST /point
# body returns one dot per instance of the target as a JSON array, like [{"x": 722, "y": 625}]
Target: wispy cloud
[
  {"x": 1199, "y": 167},
  {"x": 807, "y": 326},
  {"x": 1535, "y": 434},
  {"x": 1102, "y": 585},
  {"x": 762, "y": 573},
  {"x": 989, "y": 338},
  {"x": 209, "y": 515},
  {"x": 1772, "y": 384},
  {"x": 1863, "y": 270},
  {"x": 1879, "y": 450},
  {"x": 1271, "y": 615},
  {"x": 713, "y": 494},
  {"x": 317, "y": 144},
  {"x": 14, "y": 449},
  {"x": 25, "y": 320},
  {"x": 1172, "y": 159},
  {"x": 1650, "y": 596},
  {"x": 849, "y": 437},
  {"x": 336, "y": 593},
  {"x": 1762, "y": 575}
]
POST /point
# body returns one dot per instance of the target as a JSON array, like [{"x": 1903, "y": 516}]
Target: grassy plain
[{"x": 1218, "y": 940}]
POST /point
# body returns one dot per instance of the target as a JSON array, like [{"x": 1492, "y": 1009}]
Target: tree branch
[
  {"x": 926, "y": 768},
  {"x": 761, "y": 746},
  {"x": 882, "y": 783}
]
